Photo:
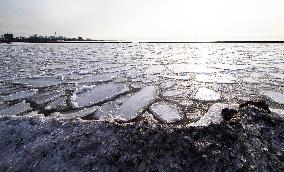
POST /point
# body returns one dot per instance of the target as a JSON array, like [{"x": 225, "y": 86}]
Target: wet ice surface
[
  {"x": 99, "y": 94},
  {"x": 135, "y": 104},
  {"x": 205, "y": 94},
  {"x": 40, "y": 82},
  {"x": 96, "y": 78},
  {"x": 76, "y": 113},
  {"x": 18, "y": 95},
  {"x": 275, "y": 96},
  {"x": 16, "y": 109},
  {"x": 123, "y": 80},
  {"x": 165, "y": 112}
]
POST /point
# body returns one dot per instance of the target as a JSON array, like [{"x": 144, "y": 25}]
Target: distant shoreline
[{"x": 150, "y": 42}]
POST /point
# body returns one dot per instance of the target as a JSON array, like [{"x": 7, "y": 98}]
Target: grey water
[{"x": 185, "y": 78}]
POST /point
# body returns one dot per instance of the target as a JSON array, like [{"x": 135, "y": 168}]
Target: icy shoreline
[{"x": 249, "y": 139}]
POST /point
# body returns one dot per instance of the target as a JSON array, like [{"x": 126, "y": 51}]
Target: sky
[{"x": 147, "y": 20}]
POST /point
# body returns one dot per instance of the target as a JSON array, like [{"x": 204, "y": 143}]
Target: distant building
[
  {"x": 80, "y": 38},
  {"x": 8, "y": 36}
]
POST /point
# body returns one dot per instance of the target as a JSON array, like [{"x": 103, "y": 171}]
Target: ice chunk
[
  {"x": 135, "y": 104},
  {"x": 279, "y": 112},
  {"x": 275, "y": 96},
  {"x": 43, "y": 98},
  {"x": 213, "y": 116},
  {"x": 18, "y": 95},
  {"x": 58, "y": 103},
  {"x": 99, "y": 94},
  {"x": 76, "y": 113},
  {"x": 16, "y": 109},
  {"x": 40, "y": 82},
  {"x": 166, "y": 112},
  {"x": 106, "y": 110},
  {"x": 205, "y": 94},
  {"x": 96, "y": 78}
]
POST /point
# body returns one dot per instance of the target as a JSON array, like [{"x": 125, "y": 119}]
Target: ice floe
[
  {"x": 165, "y": 112},
  {"x": 16, "y": 109},
  {"x": 107, "y": 110},
  {"x": 96, "y": 78},
  {"x": 279, "y": 112},
  {"x": 135, "y": 104},
  {"x": 275, "y": 96},
  {"x": 18, "y": 95},
  {"x": 205, "y": 94},
  {"x": 59, "y": 103},
  {"x": 40, "y": 82},
  {"x": 43, "y": 98},
  {"x": 213, "y": 116},
  {"x": 98, "y": 94},
  {"x": 79, "y": 113}
]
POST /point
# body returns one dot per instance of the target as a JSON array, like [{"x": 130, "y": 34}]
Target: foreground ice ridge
[{"x": 247, "y": 139}]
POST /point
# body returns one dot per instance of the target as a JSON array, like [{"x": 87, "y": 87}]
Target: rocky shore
[{"x": 248, "y": 138}]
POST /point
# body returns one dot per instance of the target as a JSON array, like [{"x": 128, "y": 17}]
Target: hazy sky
[{"x": 176, "y": 20}]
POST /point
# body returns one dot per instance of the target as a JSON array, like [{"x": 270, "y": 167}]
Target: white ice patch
[
  {"x": 166, "y": 112},
  {"x": 275, "y": 96},
  {"x": 279, "y": 112},
  {"x": 106, "y": 111},
  {"x": 213, "y": 116},
  {"x": 135, "y": 104},
  {"x": 99, "y": 94},
  {"x": 205, "y": 94}
]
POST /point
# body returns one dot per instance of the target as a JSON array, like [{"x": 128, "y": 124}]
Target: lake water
[{"x": 173, "y": 82}]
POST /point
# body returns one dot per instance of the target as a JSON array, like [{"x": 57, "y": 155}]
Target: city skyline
[{"x": 145, "y": 20}]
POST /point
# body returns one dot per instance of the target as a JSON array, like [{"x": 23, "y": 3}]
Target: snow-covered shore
[{"x": 248, "y": 139}]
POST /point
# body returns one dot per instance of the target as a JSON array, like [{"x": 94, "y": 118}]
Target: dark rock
[
  {"x": 260, "y": 104},
  {"x": 228, "y": 114}
]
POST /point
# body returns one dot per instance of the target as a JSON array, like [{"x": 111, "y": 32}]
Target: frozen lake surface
[{"x": 124, "y": 81}]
